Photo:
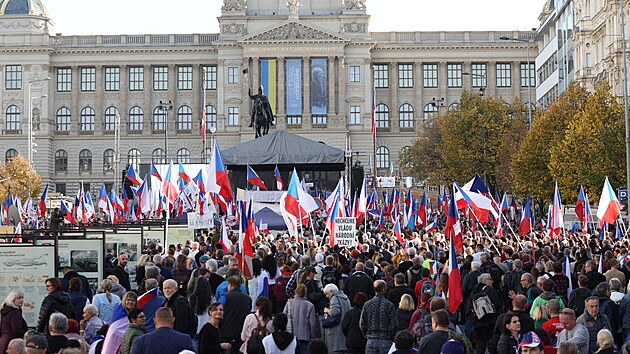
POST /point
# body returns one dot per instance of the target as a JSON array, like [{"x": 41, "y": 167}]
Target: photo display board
[
  {"x": 155, "y": 234},
  {"x": 129, "y": 242},
  {"x": 179, "y": 234},
  {"x": 86, "y": 256},
  {"x": 26, "y": 268}
]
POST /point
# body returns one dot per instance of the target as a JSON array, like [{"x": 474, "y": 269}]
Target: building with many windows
[{"x": 316, "y": 59}]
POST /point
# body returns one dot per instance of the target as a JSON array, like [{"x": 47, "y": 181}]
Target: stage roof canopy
[{"x": 282, "y": 148}]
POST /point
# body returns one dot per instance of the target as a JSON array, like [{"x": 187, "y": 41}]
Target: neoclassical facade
[{"x": 140, "y": 97}]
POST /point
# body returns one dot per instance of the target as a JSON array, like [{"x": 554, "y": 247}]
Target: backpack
[
  {"x": 328, "y": 277},
  {"x": 414, "y": 277},
  {"x": 255, "y": 344},
  {"x": 482, "y": 305},
  {"x": 190, "y": 314},
  {"x": 182, "y": 277},
  {"x": 281, "y": 289},
  {"x": 428, "y": 287}
]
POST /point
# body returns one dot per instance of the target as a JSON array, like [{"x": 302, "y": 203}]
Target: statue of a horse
[{"x": 262, "y": 115}]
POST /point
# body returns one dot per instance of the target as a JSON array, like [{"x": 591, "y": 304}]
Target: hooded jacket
[
  {"x": 280, "y": 342},
  {"x": 58, "y": 301},
  {"x": 543, "y": 299}
]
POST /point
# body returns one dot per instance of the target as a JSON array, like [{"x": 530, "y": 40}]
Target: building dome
[{"x": 22, "y": 7}]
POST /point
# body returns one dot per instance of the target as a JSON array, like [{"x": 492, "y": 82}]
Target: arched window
[
  {"x": 85, "y": 161},
  {"x": 183, "y": 156},
  {"x": 136, "y": 118},
  {"x": 382, "y": 157},
  {"x": 87, "y": 119},
  {"x": 108, "y": 160},
  {"x": 211, "y": 117},
  {"x": 110, "y": 118},
  {"x": 133, "y": 158},
  {"x": 61, "y": 161},
  {"x": 405, "y": 114},
  {"x": 184, "y": 118},
  {"x": 158, "y": 156},
  {"x": 429, "y": 111},
  {"x": 207, "y": 155},
  {"x": 11, "y": 153},
  {"x": 381, "y": 115},
  {"x": 13, "y": 118},
  {"x": 158, "y": 122},
  {"x": 63, "y": 120},
  {"x": 453, "y": 106}
]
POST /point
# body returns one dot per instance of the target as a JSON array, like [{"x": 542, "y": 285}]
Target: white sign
[
  {"x": 196, "y": 221},
  {"x": 345, "y": 229},
  {"x": 386, "y": 182}
]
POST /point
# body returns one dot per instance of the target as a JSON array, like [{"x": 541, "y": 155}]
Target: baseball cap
[
  {"x": 453, "y": 346},
  {"x": 37, "y": 342},
  {"x": 531, "y": 340}
]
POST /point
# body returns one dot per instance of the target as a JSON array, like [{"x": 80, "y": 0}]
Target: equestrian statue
[{"x": 262, "y": 115}]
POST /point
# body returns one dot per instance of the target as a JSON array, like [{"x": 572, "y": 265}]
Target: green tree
[
  {"x": 530, "y": 167},
  {"x": 593, "y": 146},
  {"x": 16, "y": 176}
]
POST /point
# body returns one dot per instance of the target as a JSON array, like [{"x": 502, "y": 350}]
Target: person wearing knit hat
[{"x": 452, "y": 346}]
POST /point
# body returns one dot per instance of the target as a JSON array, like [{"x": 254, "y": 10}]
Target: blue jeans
[{"x": 378, "y": 346}]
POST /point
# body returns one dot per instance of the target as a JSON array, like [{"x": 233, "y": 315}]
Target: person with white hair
[
  {"x": 13, "y": 324},
  {"x": 333, "y": 316},
  {"x": 16, "y": 346},
  {"x": 90, "y": 324}
]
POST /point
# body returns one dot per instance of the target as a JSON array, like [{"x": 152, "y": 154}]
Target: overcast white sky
[{"x": 199, "y": 16}]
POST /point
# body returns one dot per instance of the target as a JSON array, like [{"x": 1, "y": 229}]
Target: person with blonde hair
[
  {"x": 605, "y": 342},
  {"x": 406, "y": 308},
  {"x": 567, "y": 348},
  {"x": 116, "y": 287},
  {"x": 13, "y": 324},
  {"x": 106, "y": 301}
]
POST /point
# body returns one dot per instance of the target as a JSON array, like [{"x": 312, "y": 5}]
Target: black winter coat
[
  {"x": 350, "y": 327},
  {"x": 58, "y": 301}
]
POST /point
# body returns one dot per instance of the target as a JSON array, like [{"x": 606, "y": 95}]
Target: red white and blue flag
[
  {"x": 556, "y": 223},
  {"x": 183, "y": 175},
  {"x": 432, "y": 225},
  {"x": 396, "y": 230},
  {"x": 132, "y": 176},
  {"x": 422, "y": 209},
  {"x": 330, "y": 223},
  {"x": 224, "y": 241},
  {"x": 42, "y": 202},
  {"x": 609, "y": 206},
  {"x": 221, "y": 175},
  {"x": 525, "y": 225},
  {"x": 453, "y": 228},
  {"x": 254, "y": 179},
  {"x": 155, "y": 173},
  {"x": 455, "y": 295},
  {"x": 169, "y": 185},
  {"x": 276, "y": 175}
]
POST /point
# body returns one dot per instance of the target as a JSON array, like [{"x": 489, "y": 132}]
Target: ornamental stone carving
[
  {"x": 293, "y": 31},
  {"x": 233, "y": 28},
  {"x": 354, "y": 27},
  {"x": 354, "y": 4},
  {"x": 233, "y": 5}
]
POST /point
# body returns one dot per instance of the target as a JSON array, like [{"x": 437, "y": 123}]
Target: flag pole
[{"x": 203, "y": 119}]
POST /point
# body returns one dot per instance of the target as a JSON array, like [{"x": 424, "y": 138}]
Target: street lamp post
[
  {"x": 529, "y": 74},
  {"x": 166, "y": 107},
  {"x": 484, "y": 82},
  {"x": 31, "y": 144},
  {"x": 625, "y": 101}
]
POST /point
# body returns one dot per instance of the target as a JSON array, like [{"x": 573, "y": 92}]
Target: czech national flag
[
  {"x": 432, "y": 226},
  {"x": 42, "y": 202},
  {"x": 580, "y": 205},
  {"x": 556, "y": 223},
  {"x": 525, "y": 225},
  {"x": 221, "y": 174},
  {"x": 183, "y": 175},
  {"x": 396, "y": 231},
  {"x": 609, "y": 207},
  {"x": 276, "y": 175},
  {"x": 155, "y": 173},
  {"x": 330, "y": 223},
  {"x": 102, "y": 198},
  {"x": 67, "y": 215},
  {"x": 422, "y": 209},
  {"x": 169, "y": 185},
  {"x": 224, "y": 241},
  {"x": 132, "y": 176},
  {"x": 453, "y": 227},
  {"x": 254, "y": 179},
  {"x": 455, "y": 295}
]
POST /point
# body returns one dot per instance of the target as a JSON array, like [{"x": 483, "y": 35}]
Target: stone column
[
  {"x": 98, "y": 102},
  {"x": 123, "y": 110},
  {"x": 306, "y": 93},
  {"x": 393, "y": 91},
  {"x": 146, "y": 102},
  {"x": 491, "y": 74},
  {"x": 419, "y": 95},
  {"x": 331, "y": 89},
  {"x": 221, "y": 82},
  {"x": 281, "y": 107},
  {"x": 74, "y": 102},
  {"x": 171, "y": 117},
  {"x": 197, "y": 98},
  {"x": 255, "y": 83},
  {"x": 341, "y": 97}
]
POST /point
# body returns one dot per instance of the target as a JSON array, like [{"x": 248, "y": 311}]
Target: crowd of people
[{"x": 540, "y": 294}]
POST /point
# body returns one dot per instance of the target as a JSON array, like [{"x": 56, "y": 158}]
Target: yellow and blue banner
[{"x": 269, "y": 81}]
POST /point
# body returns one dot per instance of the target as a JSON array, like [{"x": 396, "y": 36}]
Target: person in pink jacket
[{"x": 262, "y": 317}]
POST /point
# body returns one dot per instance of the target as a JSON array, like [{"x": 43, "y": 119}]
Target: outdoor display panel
[
  {"x": 155, "y": 234},
  {"x": 294, "y": 86},
  {"x": 179, "y": 234},
  {"x": 26, "y": 267},
  {"x": 129, "y": 242},
  {"x": 86, "y": 256},
  {"x": 319, "y": 86}
]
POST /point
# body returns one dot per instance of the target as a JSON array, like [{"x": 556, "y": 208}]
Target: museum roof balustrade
[
  {"x": 448, "y": 36},
  {"x": 133, "y": 40}
]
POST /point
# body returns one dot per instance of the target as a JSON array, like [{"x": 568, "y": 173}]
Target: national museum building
[{"x": 91, "y": 97}]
